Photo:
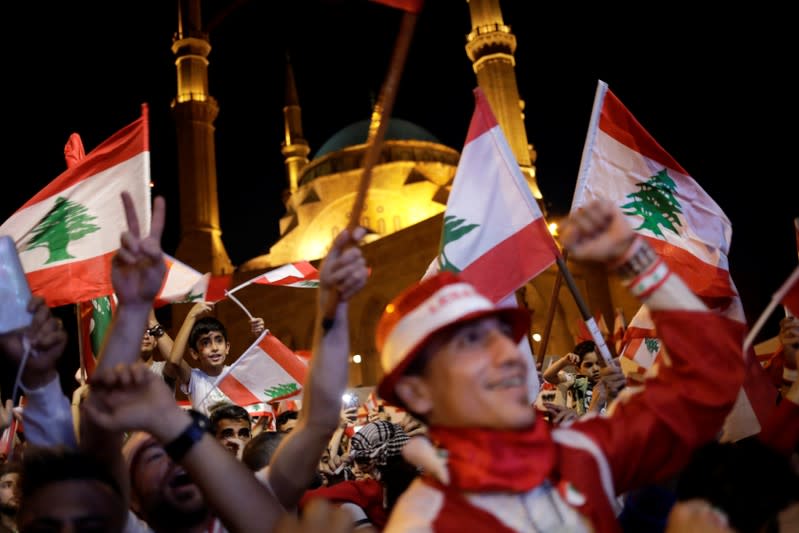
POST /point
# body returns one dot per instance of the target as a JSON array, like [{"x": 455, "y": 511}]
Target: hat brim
[{"x": 517, "y": 317}]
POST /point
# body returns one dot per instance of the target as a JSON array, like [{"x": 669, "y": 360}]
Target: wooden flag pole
[
  {"x": 553, "y": 305},
  {"x": 378, "y": 126},
  {"x": 599, "y": 339}
]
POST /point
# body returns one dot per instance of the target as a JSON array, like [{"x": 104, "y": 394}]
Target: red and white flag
[
  {"x": 622, "y": 162},
  {"x": 494, "y": 232},
  {"x": 267, "y": 372},
  {"x": 301, "y": 274},
  {"x": 181, "y": 283},
  {"x": 68, "y": 232}
]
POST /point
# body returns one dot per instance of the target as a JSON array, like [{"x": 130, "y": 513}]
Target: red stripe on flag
[
  {"x": 483, "y": 118},
  {"x": 704, "y": 280},
  {"x": 217, "y": 286},
  {"x": 516, "y": 268},
  {"x": 283, "y": 356},
  {"x": 617, "y": 121},
  {"x": 237, "y": 392},
  {"x": 75, "y": 281},
  {"x": 130, "y": 141}
]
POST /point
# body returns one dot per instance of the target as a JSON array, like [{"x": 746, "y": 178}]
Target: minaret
[
  {"x": 194, "y": 111},
  {"x": 295, "y": 148},
  {"x": 490, "y": 47}
]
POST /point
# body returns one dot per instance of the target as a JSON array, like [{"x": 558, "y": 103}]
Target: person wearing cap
[{"x": 450, "y": 356}]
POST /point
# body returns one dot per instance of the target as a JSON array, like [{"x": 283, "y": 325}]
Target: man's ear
[
  {"x": 227, "y": 347},
  {"x": 415, "y": 393},
  {"x": 194, "y": 354}
]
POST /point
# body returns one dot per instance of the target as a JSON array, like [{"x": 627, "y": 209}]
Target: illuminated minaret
[
  {"x": 295, "y": 148},
  {"x": 490, "y": 47},
  {"x": 194, "y": 111}
]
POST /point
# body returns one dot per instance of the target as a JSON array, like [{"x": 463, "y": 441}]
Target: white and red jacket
[{"x": 648, "y": 437}]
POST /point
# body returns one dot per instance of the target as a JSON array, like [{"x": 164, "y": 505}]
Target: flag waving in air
[
  {"x": 68, "y": 232},
  {"x": 267, "y": 372},
  {"x": 494, "y": 232},
  {"x": 300, "y": 274},
  {"x": 622, "y": 162}
]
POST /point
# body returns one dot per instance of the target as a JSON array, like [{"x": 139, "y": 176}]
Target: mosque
[{"x": 403, "y": 212}]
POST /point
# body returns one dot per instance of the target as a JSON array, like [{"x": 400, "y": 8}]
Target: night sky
[{"x": 716, "y": 97}]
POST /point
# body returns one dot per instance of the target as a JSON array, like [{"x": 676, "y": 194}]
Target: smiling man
[{"x": 451, "y": 357}]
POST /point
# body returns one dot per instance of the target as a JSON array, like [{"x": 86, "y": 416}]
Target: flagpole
[
  {"x": 775, "y": 301},
  {"x": 378, "y": 127},
  {"x": 553, "y": 303},
  {"x": 599, "y": 340},
  {"x": 81, "y": 344}
]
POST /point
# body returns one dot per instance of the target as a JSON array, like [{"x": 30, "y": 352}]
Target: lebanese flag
[
  {"x": 94, "y": 319},
  {"x": 640, "y": 345},
  {"x": 181, "y": 284},
  {"x": 68, "y": 232},
  {"x": 268, "y": 371},
  {"x": 300, "y": 274},
  {"x": 623, "y": 163},
  {"x": 494, "y": 233}
]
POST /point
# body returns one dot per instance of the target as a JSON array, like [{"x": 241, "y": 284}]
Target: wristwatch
[
  {"x": 180, "y": 445},
  {"x": 156, "y": 331}
]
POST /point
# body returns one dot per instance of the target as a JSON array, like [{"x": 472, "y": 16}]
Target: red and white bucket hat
[{"x": 423, "y": 310}]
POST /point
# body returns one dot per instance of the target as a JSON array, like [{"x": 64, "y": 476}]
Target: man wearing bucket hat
[{"x": 451, "y": 357}]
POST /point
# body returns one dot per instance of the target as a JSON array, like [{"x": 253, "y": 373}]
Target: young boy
[{"x": 209, "y": 346}]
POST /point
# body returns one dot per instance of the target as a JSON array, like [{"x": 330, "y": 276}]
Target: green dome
[{"x": 356, "y": 134}]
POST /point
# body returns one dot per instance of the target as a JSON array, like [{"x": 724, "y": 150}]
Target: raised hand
[
  {"x": 597, "y": 232},
  {"x": 257, "y": 326},
  {"x": 789, "y": 337},
  {"x": 138, "y": 267},
  {"x": 128, "y": 398},
  {"x": 47, "y": 341},
  {"x": 344, "y": 269}
]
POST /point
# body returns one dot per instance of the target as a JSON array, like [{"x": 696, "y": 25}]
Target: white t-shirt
[{"x": 201, "y": 391}]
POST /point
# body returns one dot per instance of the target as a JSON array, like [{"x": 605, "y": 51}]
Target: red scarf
[{"x": 484, "y": 460}]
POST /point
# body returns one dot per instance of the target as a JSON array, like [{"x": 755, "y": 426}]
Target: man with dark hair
[
  {"x": 63, "y": 488},
  {"x": 9, "y": 496},
  {"x": 286, "y": 421},
  {"x": 232, "y": 427}
]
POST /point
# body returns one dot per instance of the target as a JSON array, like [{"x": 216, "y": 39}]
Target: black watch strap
[{"x": 180, "y": 445}]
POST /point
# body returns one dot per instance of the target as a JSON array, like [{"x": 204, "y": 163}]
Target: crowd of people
[{"x": 454, "y": 443}]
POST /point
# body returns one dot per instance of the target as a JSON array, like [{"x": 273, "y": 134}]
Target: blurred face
[
  {"x": 211, "y": 351},
  {"x": 148, "y": 343},
  {"x": 475, "y": 377},
  {"x": 233, "y": 435},
  {"x": 9, "y": 493},
  {"x": 288, "y": 425},
  {"x": 84, "y": 505},
  {"x": 162, "y": 487},
  {"x": 589, "y": 367}
]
